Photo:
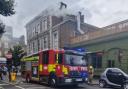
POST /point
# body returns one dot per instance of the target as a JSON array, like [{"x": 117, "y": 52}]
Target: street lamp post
[{"x": 37, "y": 41}]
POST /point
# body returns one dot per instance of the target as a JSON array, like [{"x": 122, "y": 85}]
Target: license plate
[
  {"x": 79, "y": 79},
  {"x": 68, "y": 80}
]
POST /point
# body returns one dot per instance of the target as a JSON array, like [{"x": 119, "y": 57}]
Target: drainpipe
[{"x": 50, "y": 31}]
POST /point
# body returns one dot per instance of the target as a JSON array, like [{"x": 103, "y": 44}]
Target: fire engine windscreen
[{"x": 74, "y": 60}]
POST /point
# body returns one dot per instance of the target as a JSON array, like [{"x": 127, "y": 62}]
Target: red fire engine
[{"x": 56, "y": 67}]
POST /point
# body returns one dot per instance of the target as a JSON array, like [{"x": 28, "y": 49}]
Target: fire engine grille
[{"x": 74, "y": 74}]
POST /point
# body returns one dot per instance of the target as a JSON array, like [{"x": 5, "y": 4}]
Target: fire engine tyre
[
  {"x": 53, "y": 82},
  {"x": 102, "y": 84},
  {"x": 28, "y": 80}
]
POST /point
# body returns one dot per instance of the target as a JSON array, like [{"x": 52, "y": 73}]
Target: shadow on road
[{"x": 70, "y": 87}]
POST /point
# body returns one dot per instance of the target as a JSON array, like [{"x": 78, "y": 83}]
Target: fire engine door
[{"x": 35, "y": 72}]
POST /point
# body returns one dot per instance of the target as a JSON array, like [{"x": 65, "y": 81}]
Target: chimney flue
[
  {"x": 62, "y": 5},
  {"x": 79, "y": 23}
]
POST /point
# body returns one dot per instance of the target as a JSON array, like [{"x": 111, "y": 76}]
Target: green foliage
[
  {"x": 7, "y": 7},
  {"x": 17, "y": 52}
]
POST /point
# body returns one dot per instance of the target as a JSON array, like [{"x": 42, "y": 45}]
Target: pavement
[
  {"x": 17, "y": 81},
  {"x": 95, "y": 81}
]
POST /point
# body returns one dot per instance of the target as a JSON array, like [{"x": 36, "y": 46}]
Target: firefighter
[{"x": 91, "y": 73}]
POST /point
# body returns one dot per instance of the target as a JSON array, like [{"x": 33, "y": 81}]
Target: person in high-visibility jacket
[{"x": 91, "y": 74}]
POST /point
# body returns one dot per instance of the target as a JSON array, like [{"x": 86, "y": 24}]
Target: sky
[{"x": 99, "y": 13}]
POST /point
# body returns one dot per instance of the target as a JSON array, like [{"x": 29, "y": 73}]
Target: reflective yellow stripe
[
  {"x": 51, "y": 67},
  {"x": 57, "y": 58},
  {"x": 65, "y": 70},
  {"x": 34, "y": 78},
  {"x": 40, "y": 67}
]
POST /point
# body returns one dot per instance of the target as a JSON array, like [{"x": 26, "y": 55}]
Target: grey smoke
[{"x": 97, "y": 12}]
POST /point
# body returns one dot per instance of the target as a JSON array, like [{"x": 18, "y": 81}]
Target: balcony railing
[{"x": 97, "y": 34}]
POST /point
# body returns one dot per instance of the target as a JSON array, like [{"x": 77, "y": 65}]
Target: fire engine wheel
[
  {"x": 53, "y": 82},
  {"x": 28, "y": 79}
]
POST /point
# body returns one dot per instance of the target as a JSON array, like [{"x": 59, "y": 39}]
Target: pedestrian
[
  {"x": 9, "y": 72},
  {"x": 91, "y": 74},
  {"x": 1, "y": 72},
  {"x": 4, "y": 72}
]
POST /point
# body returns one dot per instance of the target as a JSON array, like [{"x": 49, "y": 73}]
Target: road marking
[
  {"x": 19, "y": 87},
  {"x": 3, "y": 84},
  {"x": 1, "y": 88},
  {"x": 38, "y": 88}
]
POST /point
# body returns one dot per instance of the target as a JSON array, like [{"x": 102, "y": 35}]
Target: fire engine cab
[{"x": 55, "y": 67}]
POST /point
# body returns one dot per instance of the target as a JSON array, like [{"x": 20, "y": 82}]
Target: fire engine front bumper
[{"x": 66, "y": 80}]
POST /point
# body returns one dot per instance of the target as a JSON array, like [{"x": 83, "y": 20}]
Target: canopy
[
  {"x": 35, "y": 58},
  {"x": 3, "y": 59}
]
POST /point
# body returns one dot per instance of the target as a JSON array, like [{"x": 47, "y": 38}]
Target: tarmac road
[{"x": 23, "y": 85}]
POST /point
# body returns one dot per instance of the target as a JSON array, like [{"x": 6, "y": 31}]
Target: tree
[
  {"x": 17, "y": 54},
  {"x": 7, "y": 7}
]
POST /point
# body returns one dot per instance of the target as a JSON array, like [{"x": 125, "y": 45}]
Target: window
[
  {"x": 55, "y": 35},
  {"x": 45, "y": 24},
  {"x": 38, "y": 44},
  {"x": 29, "y": 48},
  {"x": 111, "y": 63},
  {"x": 38, "y": 28},
  {"x": 109, "y": 71},
  {"x": 96, "y": 60},
  {"x": 40, "y": 47},
  {"x": 59, "y": 58},
  {"x": 55, "y": 40},
  {"x": 42, "y": 43},
  {"x": 33, "y": 31},
  {"x": 45, "y": 42},
  {"x": 45, "y": 57},
  {"x": 33, "y": 46}
]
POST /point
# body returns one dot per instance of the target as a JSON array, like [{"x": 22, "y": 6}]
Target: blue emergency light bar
[{"x": 76, "y": 49}]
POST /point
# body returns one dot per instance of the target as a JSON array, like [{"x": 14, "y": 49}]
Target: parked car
[{"x": 114, "y": 77}]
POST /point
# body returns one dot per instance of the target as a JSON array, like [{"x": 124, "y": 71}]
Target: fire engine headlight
[{"x": 86, "y": 79}]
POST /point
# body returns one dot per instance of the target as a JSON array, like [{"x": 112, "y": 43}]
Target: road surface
[{"x": 24, "y": 85}]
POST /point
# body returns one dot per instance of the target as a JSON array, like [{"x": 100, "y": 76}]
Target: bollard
[{"x": 13, "y": 76}]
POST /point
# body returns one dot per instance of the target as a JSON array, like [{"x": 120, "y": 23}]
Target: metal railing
[{"x": 97, "y": 34}]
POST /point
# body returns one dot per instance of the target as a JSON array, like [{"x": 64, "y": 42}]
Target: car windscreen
[{"x": 74, "y": 59}]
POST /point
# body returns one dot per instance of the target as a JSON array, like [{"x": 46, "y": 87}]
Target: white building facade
[
  {"x": 47, "y": 31},
  {"x": 6, "y": 40},
  {"x": 37, "y": 34}
]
